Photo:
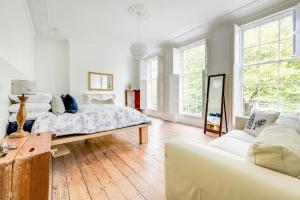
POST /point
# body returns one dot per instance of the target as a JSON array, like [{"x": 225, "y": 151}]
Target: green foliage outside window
[
  {"x": 193, "y": 62},
  {"x": 271, "y": 77}
]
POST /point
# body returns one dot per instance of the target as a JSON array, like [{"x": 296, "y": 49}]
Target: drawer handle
[{"x": 31, "y": 150}]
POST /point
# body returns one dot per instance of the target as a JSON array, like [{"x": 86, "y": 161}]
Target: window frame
[
  {"x": 149, "y": 83},
  {"x": 181, "y": 89},
  {"x": 277, "y": 62}
]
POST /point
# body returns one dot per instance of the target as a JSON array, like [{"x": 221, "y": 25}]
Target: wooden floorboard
[{"x": 116, "y": 167}]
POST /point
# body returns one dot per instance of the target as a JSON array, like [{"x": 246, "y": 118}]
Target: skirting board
[{"x": 143, "y": 135}]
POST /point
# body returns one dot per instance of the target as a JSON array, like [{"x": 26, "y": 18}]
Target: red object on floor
[{"x": 137, "y": 97}]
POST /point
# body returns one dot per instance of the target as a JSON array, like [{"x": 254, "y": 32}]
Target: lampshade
[
  {"x": 139, "y": 50},
  {"x": 20, "y": 87}
]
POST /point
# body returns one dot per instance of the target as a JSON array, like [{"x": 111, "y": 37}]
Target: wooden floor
[{"x": 116, "y": 167}]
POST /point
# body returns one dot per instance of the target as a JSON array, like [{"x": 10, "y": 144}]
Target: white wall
[
  {"x": 52, "y": 65},
  {"x": 86, "y": 57},
  {"x": 17, "y": 36},
  {"x": 16, "y": 50}
]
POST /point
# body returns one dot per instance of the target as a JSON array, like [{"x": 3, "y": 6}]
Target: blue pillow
[
  {"x": 13, "y": 126},
  {"x": 70, "y": 103}
]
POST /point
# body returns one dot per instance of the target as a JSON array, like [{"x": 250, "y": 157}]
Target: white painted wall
[
  {"x": 85, "y": 57},
  {"x": 52, "y": 65},
  {"x": 17, "y": 36},
  {"x": 16, "y": 50}
]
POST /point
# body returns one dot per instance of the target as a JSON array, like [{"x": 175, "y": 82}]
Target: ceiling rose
[{"x": 139, "y": 49}]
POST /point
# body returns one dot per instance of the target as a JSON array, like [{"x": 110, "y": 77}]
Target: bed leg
[{"x": 143, "y": 135}]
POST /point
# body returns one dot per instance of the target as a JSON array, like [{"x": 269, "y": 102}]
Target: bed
[{"x": 92, "y": 120}]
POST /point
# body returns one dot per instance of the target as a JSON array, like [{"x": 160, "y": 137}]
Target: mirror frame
[
  {"x": 223, "y": 108},
  {"x": 98, "y": 73}
]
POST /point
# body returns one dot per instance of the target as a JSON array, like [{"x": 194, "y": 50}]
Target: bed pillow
[
  {"x": 103, "y": 101},
  {"x": 30, "y": 116},
  {"x": 57, "y": 104},
  {"x": 70, "y": 103},
  {"x": 31, "y": 107},
  {"x": 13, "y": 126},
  {"x": 288, "y": 121},
  {"x": 277, "y": 148},
  {"x": 259, "y": 120},
  {"x": 40, "y": 97}
]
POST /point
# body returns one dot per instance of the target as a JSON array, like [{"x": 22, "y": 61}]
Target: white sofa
[{"x": 220, "y": 171}]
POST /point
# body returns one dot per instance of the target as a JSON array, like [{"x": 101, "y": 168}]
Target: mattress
[{"x": 89, "y": 119}]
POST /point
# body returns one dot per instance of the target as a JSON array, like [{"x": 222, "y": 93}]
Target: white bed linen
[{"x": 89, "y": 119}]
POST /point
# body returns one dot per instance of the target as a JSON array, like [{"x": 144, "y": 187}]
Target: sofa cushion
[
  {"x": 277, "y": 148},
  {"x": 240, "y": 135},
  {"x": 290, "y": 122},
  {"x": 259, "y": 120},
  {"x": 231, "y": 145}
]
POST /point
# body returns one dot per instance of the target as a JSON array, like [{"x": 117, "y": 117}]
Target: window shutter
[
  {"x": 176, "y": 59},
  {"x": 143, "y": 84},
  {"x": 174, "y": 93},
  {"x": 237, "y": 79},
  {"x": 160, "y": 85},
  {"x": 297, "y": 28}
]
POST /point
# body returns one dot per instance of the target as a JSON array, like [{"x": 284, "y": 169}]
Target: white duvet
[{"x": 89, "y": 119}]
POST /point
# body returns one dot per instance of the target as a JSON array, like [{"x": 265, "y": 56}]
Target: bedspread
[{"x": 89, "y": 119}]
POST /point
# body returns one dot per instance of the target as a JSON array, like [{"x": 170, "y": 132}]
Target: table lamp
[{"x": 22, "y": 88}]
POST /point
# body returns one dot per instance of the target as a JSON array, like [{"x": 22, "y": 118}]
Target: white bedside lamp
[{"x": 22, "y": 88}]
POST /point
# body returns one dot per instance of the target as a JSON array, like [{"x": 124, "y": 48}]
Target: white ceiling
[{"x": 107, "y": 22}]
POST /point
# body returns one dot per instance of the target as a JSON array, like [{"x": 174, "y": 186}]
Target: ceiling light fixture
[{"x": 139, "y": 49}]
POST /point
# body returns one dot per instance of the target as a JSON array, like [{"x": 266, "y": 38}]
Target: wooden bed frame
[
  {"x": 143, "y": 128},
  {"x": 143, "y": 135}
]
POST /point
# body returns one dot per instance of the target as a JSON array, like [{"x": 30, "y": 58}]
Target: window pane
[
  {"x": 193, "y": 60},
  {"x": 267, "y": 93},
  {"x": 154, "y": 94},
  {"x": 290, "y": 71},
  {"x": 269, "y": 52},
  {"x": 269, "y": 32},
  {"x": 286, "y": 27},
  {"x": 251, "y": 37},
  {"x": 250, "y": 75},
  {"x": 286, "y": 49},
  {"x": 289, "y": 93},
  {"x": 268, "y": 73},
  {"x": 250, "y": 88},
  {"x": 251, "y": 55}
]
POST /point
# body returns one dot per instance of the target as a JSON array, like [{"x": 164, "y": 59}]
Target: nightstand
[{"x": 25, "y": 171}]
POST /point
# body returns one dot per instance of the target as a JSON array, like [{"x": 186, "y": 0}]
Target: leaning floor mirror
[{"x": 215, "y": 105}]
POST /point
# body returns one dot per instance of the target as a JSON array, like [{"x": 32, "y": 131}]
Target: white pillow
[
  {"x": 102, "y": 101},
  {"x": 277, "y": 148},
  {"x": 40, "y": 97},
  {"x": 259, "y": 120},
  {"x": 288, "y": 121},
  {"x": 30, "y": 116},
  {"x": 58, "y": 107},
  {"x": 31, "y": 107}
]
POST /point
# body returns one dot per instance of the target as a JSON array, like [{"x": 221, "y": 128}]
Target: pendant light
[{"x": 139, "y": 49}]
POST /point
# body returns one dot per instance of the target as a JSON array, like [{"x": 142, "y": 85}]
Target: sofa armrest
[
  {"x": 194, "y": 171},
  {"x": 240, "y": 122}
]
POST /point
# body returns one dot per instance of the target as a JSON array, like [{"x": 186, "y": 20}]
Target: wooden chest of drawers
[{"x": 25, "y": 171}]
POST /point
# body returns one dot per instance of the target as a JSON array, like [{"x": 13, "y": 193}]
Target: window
[
  {"x": 193, "y": 62},
  {"x": 270, "y": 75},
  {"x": 152, "y": 65}
]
